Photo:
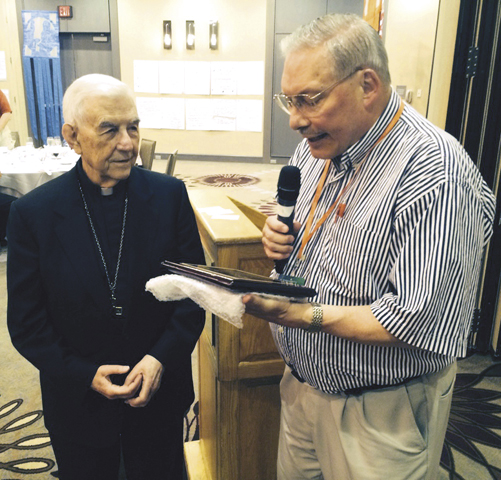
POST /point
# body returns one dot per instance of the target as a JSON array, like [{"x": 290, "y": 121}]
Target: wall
[
  {"x": 242, "y": 37},
  {"x": 420, "y": 37},
  {"x": 410, "y": 29},
  {"x": 444, "y": 58},
  {"x": 14, "y": 83}
]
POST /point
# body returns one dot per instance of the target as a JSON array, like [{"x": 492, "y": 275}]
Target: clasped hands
[{"x": 144, "y": 378}]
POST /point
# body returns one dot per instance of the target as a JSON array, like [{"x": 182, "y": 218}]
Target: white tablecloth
[{"x": 25, "y": 168}]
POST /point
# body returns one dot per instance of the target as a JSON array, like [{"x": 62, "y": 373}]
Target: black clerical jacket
[{"x": 59, "y": 314}]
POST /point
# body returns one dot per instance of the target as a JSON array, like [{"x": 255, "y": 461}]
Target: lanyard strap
[{"x": 308, "y": 231}]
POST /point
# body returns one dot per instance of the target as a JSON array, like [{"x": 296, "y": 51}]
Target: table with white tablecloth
[{"x": 25, "y": 168}]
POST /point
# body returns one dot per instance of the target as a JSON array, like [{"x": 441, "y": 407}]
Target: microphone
[{"x": 289, "y": 182}]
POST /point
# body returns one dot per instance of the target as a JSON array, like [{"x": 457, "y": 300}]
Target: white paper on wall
[
  {"x": 171, "y": 77},
  {"x": 161, "y": 113},
  {"x": 146, "y": 76},
  {"x": 197, "y": 78},
  {"x": 198, "y": 114},
  {"x": 173, "y": 113},
  {"x": 223, "y": 80},
  {"x": 209, "y": 114},
  {"x": 224, "y": 115},
  {"x": 149, "y": 112}
]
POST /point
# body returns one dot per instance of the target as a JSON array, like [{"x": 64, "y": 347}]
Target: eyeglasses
[{"x": 305, "y": 103}]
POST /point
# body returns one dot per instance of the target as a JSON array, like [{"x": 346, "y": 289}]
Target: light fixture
[
  {"x": 213, "y": 35},
  {"x": 167, "y": 34},
  {"x": 190, "y": 34}
]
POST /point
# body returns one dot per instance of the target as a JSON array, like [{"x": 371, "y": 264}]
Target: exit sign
[{"x": 65, "y": 11}]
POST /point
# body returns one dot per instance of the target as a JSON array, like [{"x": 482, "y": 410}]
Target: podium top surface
[{"x": 222, "y": 219}]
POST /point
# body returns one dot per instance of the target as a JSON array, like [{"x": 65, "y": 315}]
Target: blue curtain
[{"x": 42, "y": 73}]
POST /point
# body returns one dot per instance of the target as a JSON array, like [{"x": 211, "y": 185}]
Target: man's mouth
[{"x": 317, "y": 138}]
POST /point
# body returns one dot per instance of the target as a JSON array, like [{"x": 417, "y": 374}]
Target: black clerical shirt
[{"x": 107, "y": 213}]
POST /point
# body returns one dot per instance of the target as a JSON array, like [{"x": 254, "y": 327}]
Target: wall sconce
[
  {"x": 213, "y": 35},
  {"x": 167, "y": 34},
  {"x": 190, "y": 34}
]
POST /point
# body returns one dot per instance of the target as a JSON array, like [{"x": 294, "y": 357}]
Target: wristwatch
[{"x": 317, "y": 317}]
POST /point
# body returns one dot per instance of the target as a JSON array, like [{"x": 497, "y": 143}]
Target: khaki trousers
[{"x": 395, "y": 433}]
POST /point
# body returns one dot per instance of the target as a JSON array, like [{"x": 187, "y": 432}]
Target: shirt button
[{"x": 280, "y": 329}]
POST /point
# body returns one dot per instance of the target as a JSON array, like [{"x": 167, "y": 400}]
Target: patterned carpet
[
  {"x": 473, "y": 443},
  {"x": 472, "y": 448}
]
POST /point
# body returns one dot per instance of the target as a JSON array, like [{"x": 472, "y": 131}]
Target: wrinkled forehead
[
  {"x": 117, "y": 106},
  {"x": 306, "y": 68}
]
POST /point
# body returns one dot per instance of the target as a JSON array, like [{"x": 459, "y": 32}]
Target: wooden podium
[{"x": 240, "y": 369}]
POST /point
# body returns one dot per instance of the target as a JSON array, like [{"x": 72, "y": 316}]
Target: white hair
[
  {"x": 89, "y": 86},
  {"x": 350, "y": 40}
]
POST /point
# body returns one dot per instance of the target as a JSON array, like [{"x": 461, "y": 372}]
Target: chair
[
  {"x": 171, "y": 163},
  {"x": 147, "y": 152},
  {"x": 15, "y": 138}
]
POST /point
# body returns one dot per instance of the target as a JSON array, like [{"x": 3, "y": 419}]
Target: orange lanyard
[{"x": 341, "y": 207}]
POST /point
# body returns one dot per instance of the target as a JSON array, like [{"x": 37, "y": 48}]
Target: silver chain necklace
[{"x": 117, "y": 310}]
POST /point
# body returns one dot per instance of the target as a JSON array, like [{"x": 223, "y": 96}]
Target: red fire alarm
[{"x": 65, "y": 11}]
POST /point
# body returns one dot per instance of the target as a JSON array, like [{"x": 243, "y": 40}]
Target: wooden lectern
[{"x": 240, "y": 369}]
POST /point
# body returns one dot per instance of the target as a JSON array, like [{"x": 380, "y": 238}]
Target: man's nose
[
  {"x": 297, "y": 120},
  {"x": 125, "y": 140}
]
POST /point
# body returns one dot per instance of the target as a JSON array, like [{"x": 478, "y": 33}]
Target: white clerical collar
[{"x": 106, "y": 191}]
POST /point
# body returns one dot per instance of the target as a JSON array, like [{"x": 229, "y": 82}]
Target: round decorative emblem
[{"x": 227, "y": 180}]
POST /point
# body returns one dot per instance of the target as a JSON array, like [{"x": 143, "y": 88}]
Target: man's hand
[
  {"x": 103, "y": 384},
  {"x": 148, "y": 372},
  {"x": 276, "y": 241},
  {"x": 281, "y": 312}
]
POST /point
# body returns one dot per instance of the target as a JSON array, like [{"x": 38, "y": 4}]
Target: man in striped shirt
[{"x": 392, "y": 220}]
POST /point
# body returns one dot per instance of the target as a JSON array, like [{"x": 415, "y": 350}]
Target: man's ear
[
  {"x": 372, "y": 86},
  {"x": 70, "y": 135}
]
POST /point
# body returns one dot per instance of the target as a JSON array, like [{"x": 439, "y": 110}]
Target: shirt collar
[
  {"x": 341, "y": 164},
  {"x": 94, "y": 189},
  {"x": 356, "y": 153}
]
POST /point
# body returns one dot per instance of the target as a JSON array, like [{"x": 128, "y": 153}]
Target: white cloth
[{"x": 220, "y": 301}]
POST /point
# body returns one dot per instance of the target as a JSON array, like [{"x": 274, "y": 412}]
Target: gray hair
[
  {"x": 349, "y": 39},
  {"x": 87, "y": 86}
]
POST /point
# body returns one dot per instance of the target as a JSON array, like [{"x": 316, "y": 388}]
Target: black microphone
[{"x": 289, "y": 182}]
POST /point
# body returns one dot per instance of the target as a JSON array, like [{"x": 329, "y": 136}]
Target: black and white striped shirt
[{"x": 410, "y": 244}]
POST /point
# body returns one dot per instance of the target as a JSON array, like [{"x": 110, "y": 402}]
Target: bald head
[
  {"x": 88, "y": 87},
  {"x": 102, "y": 126}
]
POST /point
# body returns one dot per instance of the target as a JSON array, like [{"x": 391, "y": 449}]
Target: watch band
[{"x": 317, "y": 317}]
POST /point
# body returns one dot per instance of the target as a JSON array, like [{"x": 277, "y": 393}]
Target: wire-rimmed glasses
[{"x": 305, "y": 103}]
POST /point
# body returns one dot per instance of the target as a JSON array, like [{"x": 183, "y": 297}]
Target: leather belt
[{"x": 360, "y": 390}]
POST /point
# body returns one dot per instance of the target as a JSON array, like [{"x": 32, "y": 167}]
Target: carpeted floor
[
  {"x": 473, "y": 442},
  {"x": 473, "y": 439}
]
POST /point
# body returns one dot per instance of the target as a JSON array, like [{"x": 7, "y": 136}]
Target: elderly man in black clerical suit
[{"x": 115, "y": 364}]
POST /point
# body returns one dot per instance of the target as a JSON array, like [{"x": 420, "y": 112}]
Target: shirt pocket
[{"x": 348, "y": 256}]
